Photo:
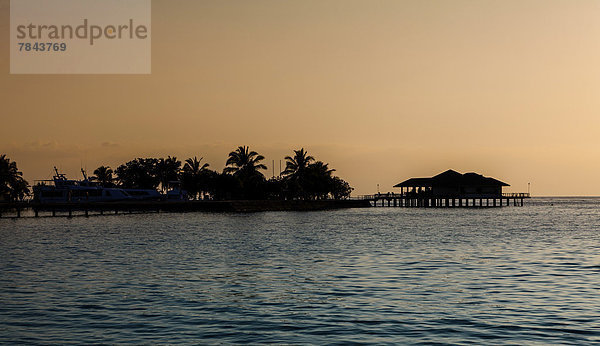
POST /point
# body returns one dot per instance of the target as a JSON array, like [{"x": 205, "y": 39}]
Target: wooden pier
[
  {"x": 449, "y": 189},
  {"x": 407, "y": 200},
  {"x": 18, "y": 210},
  {"x": 424, "y": 201}
]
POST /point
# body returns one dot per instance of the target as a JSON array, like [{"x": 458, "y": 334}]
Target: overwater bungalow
[
  {"x": 450, "y": 189},
  {"x": 453, "y": 184}
]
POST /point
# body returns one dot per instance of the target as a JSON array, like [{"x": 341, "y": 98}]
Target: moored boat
[{"x": 62, "y": 190}]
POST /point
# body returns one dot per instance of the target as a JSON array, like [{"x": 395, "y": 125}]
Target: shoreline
[{"x": 235, "y": 206}]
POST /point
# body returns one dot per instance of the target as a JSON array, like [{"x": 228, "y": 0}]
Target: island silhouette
[{"x": 146, "y": 184}]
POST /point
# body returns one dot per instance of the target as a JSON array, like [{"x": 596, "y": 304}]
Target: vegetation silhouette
[
  {"x": 297, "y": 165},
  {"x": 242, "y": 178},
  {"x": 167, "y": 170},
  {"x": 195, "y": 178},
  {"x": 12, "y": 185},
  {"x": 104, "y": 176},
  {"x": 295, "y": 173},
  {"x": 244, "y": 165},
  {"x": 138, "y": 174},
  {"x": 304, "y": 178},
  {"x": 242, "y": 161}
]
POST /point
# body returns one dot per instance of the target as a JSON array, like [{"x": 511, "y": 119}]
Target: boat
[
  {"x": 62, "y": 190},
  {"x": 145, "y": 194},
  {"x": 176, "y": 192}
]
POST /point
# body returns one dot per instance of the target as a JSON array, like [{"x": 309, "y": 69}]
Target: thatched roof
[{"x": 452, "y": 178}]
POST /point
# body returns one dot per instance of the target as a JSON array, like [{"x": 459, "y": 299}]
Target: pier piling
[{"x": 415, "y": 201}]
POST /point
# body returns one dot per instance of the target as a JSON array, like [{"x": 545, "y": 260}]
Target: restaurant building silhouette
[
  {"x": 450, "y": 189},
  {"x": 453, "y": 184}
]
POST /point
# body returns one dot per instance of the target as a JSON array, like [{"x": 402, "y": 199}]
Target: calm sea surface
[{"x": 512, "y": 275}]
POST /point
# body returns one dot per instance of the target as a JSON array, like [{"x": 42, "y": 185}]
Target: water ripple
[{"x": 387, "y": 276}]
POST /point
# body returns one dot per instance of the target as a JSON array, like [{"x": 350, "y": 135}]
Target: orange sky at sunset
[{"x": 382, "y": 90}]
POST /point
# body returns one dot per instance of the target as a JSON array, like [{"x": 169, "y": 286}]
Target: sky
[{"x": 381, "y": 90}]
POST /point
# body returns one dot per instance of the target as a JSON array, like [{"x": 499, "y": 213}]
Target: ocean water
[{"x": 512, "y": 275}]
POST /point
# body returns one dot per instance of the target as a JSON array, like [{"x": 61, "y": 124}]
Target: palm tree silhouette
[
  {"x": 245, "y": 166},
  {"x": 193, "y": 166},
  {"x": 318, "y": 180},
  {"x": 167, "y": 170},
  {"x": 242, "y": 161},
  {"x": 296, "y": 166},
  {"x": 321, "y": 169},
  {"x": 194, "y": 176},
  {"x": 11, "y": 180},
  {"x": 104, "y": 175}
]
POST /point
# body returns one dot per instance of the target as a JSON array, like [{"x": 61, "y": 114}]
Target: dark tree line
[
  {"x": 12, "y": 185},
  {"x": 242, "y": 177},
  {"x": 141, "y": 173}
]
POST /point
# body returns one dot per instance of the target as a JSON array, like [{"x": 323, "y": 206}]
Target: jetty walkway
[
  {"x": 391, "y": 199},
  {"x": 22, "y": 209},
  {"x": 407, "y": 200}
]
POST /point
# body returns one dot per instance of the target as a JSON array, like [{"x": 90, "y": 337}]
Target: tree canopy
[
  {"x": 12, "y": 185},
  {"x": 304, "y": 177}
]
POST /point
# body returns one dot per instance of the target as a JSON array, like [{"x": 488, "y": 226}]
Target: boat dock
[
  {"x": 28, "y": 209},
  {"x": 87, "y": 209}
]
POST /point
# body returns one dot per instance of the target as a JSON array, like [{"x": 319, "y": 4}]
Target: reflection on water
[{"x": 510, "y": 275}]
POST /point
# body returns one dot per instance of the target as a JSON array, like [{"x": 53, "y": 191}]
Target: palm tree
[
  {"x": 20, "y": 189},
  {"x": 12, "y": 183},
  {"x": 167, "y": 170},
  {"x": 296, "y": 166},
  {"x": 318, "y": 180},
  {"x": 7, "y": 171},
  {"x": 104, "y": 175},
  {"x": 245, "y": 166},
  {"x": 242, "y": 161},
  {"x": 193, "y": 165},
  {"x": 321, "y": 169},
  {"x": 194, "y": 176},
  {"x": 295, "y": 173}
]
